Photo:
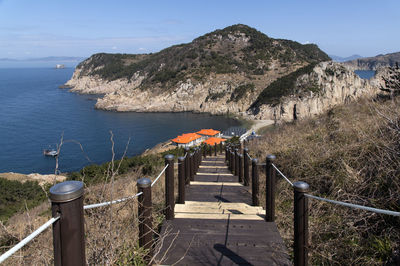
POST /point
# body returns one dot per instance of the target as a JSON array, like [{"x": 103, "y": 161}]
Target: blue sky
[{"x": 80, "y": 28}]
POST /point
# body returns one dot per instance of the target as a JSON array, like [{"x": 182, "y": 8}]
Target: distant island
[
  {"x": 376, "y": 62},
  {"x": 236, "y": 70}
]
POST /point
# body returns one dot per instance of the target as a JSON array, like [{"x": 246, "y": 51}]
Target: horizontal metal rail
[
  {"x": 162, "y": 172},
  {"x": 27, "y": 239},
  {"x": 106, "y": 203},
  {"x": 355, "y": 206},
  {"x": 287, "y": 179}
]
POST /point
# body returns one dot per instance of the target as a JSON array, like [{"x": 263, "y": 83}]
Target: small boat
[{"x": 50, "y": 152}]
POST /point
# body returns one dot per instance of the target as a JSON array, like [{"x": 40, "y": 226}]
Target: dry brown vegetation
[
  {"x": 111, "y": 232},
  {"x": 349, "y": 154}
]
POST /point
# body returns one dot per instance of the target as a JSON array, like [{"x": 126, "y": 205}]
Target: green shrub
[
  {"x": 14, "y": 195},
  {"x": 241, "y": 91},
  {"x": 283, "y": 86}
]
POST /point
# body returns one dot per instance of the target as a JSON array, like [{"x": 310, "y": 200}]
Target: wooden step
[
  {"x": 205, "y": 183},
  {"x": 216, "y": 209},
  {"x": 226, "y": 205},
  {"x": 213, "y": 167},
  {"x": 219, "y": 216},
  {"x": 223, "y": 174}
]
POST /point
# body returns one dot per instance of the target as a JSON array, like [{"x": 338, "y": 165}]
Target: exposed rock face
[
  {"x": 338, "y": 85},
  {"x": 187, "y": 96}
]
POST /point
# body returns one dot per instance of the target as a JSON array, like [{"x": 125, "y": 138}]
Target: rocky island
[{"x": 236, "y": 70}]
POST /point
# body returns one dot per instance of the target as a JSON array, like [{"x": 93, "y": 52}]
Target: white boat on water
[
  {"x": 59, "y": 66},
  {"x": 49, "y": 152}
]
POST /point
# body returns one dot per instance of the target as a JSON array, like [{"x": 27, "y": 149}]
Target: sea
[
  {"x": 35, "y": 114},
  {"x": 365, "y": 74}
]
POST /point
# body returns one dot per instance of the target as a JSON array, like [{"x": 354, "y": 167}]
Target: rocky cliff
[{"x": 332, "y": 83}]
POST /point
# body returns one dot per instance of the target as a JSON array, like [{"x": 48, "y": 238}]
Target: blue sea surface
[
  {"x": 35, "y": 113},
  {"x": 365, "y": 74}
]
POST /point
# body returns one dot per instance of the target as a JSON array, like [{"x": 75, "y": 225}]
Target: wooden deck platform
[{"x": 218, "y": 226}]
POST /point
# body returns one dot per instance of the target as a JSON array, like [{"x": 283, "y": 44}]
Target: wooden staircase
[{"x": 218, "y": 226}]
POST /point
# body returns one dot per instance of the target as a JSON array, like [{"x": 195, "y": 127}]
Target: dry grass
[
  {"x": 111, "y": 232},
  {"x": 349, "y": 154}
]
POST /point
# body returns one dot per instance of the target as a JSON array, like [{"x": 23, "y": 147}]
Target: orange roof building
[
  {"x": 187, "y": 140},
  {"x": 212, "y": 141},
  {"x": 209, "y": 132}
]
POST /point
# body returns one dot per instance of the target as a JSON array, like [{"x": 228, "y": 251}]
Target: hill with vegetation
[
  {"x": 220, "y": 72},
  {"x": 235, "y": 49}
]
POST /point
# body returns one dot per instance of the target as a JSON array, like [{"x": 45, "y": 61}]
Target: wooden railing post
[
  {"x": 236, "y": 162},
  {"x": 198, "y": 159},
  {"x": 246, "y": 166},
  {"x": 209, "y": 150},
  {"x": 181, "y": 180},
  {"x": 226, "y": 154},
  {"x": 300, "y": 247},
  {"x": 169, "y": 187},
  {"x": 215, "y": 149},
  {"x": 270, "y": 189},
  {"x": 145, "y": 217},
  {"x": 187, "y": 169},
  {"x": 204, "y": 148},
  {"x": 255, "y": 182},
  {"x": 192, "y": 167},
  {"x": 240, "y": 156},
  {"x": 195, "y": 160},
  {"x": 221, "y": 149},
  {"x": 233, "y": 162},
  {"x": 68, "y": 231}
]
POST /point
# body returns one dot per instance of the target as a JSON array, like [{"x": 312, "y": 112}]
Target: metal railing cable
[
  {"x": 27, "y": 239},
  {"x": 102, "y": 204},
  {"x": 287, "y": 179},
  {"x": 249, "y": 156},
  {"x": 106, "y": 203},
  {"x": 355, "y": 206},
  {"x": 162, "y": 172},
  {"x": 350, "y": 205}
]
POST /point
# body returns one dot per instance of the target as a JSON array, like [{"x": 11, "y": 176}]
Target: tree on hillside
[{"x": 392, "y": 81}]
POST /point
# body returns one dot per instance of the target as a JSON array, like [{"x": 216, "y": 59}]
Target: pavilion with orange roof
[
  {"x": 212, "y": 141},
  {"x": 187, "y": 140},
  {"x": 209, "y": 133}
]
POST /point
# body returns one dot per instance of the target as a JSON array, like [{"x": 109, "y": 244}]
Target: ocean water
[
  {"x": 365, "y": 74},
  {"x": 35, "y": 113}
]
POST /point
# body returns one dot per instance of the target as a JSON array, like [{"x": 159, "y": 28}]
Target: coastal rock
[{"x": 337, "y": 84}]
